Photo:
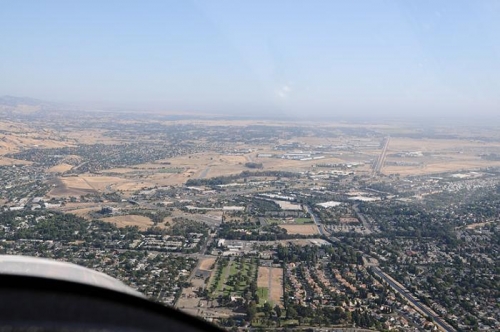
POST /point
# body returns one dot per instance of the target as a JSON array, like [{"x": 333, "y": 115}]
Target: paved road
[
  {"x": 444, "y": 326},
  {"x": 321, "y": 228},
  {"x": 379, "y": 163},
  {"x": 316, "y": 220},
  {"x": 204, "y": 173}
]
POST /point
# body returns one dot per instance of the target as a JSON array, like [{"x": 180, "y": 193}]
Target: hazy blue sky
[{"x": 309, "y": 57}]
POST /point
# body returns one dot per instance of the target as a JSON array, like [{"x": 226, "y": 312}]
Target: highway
[
  {"x": 444, "y": 326},
  {"x": 316, "y": 220}
]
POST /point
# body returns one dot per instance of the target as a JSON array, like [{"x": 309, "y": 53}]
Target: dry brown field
[
  {"x": 276, "y": 292},
  {"x": 301, "y": 229},
  {"x": 91, "y": 136},
  {"x": 263, "y": 277},
  {"x": 83, "y": 212},
  {"x": 84, "y": 184},
  {"x": 61, "y": 168},
  {"x": 435, "y": 145},
  {"x": 130, "y": 220},
  {"x": 4, "y": 161},
  {"x": 448, "y": 155},
  {"x": 61, "y": 189},
  {"x": 432, "y": 168},
  {"x": 298, "y": 165},
  {"x": 207, "y": 263},
  {"x": 11, "y": 143}
]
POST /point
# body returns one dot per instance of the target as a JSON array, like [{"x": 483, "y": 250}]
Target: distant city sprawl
[{"x": 245, "y": 223}]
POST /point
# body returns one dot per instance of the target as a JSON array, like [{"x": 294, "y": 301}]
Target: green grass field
[
  {"x": 246, "y": 267},
  {"x": 303, "y": 221},
  {"x": 222, "y": 281},
  {"x": 263, "y": 293}
]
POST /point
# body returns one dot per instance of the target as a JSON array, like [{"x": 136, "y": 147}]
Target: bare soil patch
[
  {"x": 263, "y": 277},
  {"x": 130, "y": 220},
  {"x": 276, "y": 291},
  {"x": 207, "y": 264},
  {"x": 61, "y": 168},
  {"x": 301, "y": 229}
]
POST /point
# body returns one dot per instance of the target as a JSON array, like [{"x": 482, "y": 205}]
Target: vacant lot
[
  {"x": 130, "y": 220},
  {"x": 61, "y": 168},
  {"x": 207, "y": 264},
  {"x": 301, "y": 229},
  {"x": 276, "y": 293},
  {"x": 263, "y": 277}
]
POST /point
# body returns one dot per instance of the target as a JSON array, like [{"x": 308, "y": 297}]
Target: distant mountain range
[{"x": 26, "y": 105}]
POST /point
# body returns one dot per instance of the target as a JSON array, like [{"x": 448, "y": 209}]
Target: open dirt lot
[
  {"x": 207, "y": 263},
  {"x": 276, "y": 292},
  {"x": 263, "y": 277},
  {"x": 301, "y": 229},
  {"x": 60, "y": 168},
  {"x": 130, "y": 220}
]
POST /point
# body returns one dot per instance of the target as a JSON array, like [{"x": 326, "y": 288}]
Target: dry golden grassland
[
  {"x": 130, "y": 220},
  {"x": 207, "y": 264},
  {"x": 276, "y": 292},
  {"x": 301, "y": 229}
]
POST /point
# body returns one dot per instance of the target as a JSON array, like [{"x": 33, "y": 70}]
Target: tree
[
  {"x": 277, "y": 310},
  {"x": 267, "y": 309},
  {"x": 251, "y": 311},
  {"x": 291, "y": 313}
]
